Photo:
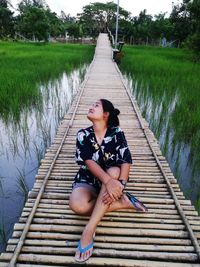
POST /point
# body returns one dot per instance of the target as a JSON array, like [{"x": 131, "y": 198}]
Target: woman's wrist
[
  {"x": 123, "y": 182},
  {"x": 107, "y": 178}
]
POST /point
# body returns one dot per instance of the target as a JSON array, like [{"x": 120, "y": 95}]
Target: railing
[
  {"x": 117, "y": 52},
  {"x": 111, "y": 37}
]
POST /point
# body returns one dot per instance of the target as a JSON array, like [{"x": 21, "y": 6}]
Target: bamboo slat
[{"x": 93, "y": 261}]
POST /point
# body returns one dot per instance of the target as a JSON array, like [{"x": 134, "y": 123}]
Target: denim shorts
[{"x": 93, "y": 187}]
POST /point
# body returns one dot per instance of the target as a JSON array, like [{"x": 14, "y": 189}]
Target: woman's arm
[
  {"x": 113, "y": 187},
  {"x": 124, "y": 174},
  {"x": 124, "y": 171},
  {"x": 97, "y": 171}
]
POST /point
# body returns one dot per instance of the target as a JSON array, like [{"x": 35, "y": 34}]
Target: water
[
  {"x": 161, "y": 114},
  {"x": 23, "y": 145}
]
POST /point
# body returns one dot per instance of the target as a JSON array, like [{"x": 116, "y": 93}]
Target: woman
[{"x": 105, "y": 161}]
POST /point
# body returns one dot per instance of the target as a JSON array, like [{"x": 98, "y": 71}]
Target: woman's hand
[
  {"x": 114, "y": 189},
  {"x": 107, "y": 200}
]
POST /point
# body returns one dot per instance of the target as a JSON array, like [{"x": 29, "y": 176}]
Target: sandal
[
  {"x": 83, "y": 250},
  {"x": 138, "y": 205}
]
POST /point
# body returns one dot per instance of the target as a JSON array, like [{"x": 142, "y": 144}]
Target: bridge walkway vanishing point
[{"x": 168, "y": 235}]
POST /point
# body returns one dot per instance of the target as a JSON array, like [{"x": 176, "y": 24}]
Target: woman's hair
[{"x": 113, "y": 119}]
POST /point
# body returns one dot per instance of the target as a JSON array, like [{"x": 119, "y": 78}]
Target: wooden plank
[
  {"x": 94, "y": 261},
  {"x": 102, "y": 238}
]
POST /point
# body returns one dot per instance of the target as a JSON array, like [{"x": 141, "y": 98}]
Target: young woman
[{"x": 105, "y": 160}]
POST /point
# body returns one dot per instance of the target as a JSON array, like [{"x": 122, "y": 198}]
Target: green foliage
[
  {"x": 186, "y": 18},
  {"x": 161, "y": 27},
  {"x": 194, "y": 8},
  {"x": 34, "y": 23},
  {"x": 24, "y": 66},
  {"x": 26, "y": 4},
  {"x": 22, "y": 185},
  {"x": 2, "y": 233},
  {"x": 6, "y": 20},
  {"x": 141, "y": 26},
  {"x": 56, "y": 26},
  {"x": 96, "y": 17},
  {"x": 181, "y": 21},
  {"x": 193, "y": 42},
  {"x": 166, "y": 87},
  {"x": 73, "y": 30}
]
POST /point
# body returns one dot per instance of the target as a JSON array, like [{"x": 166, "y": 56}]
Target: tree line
[{"x": 35, "y": 21}]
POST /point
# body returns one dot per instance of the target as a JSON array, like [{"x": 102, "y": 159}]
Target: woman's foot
[
  {"x": 134, "y": 203},
  {"x": 126, "y": 202},
  {"x": 85, "y": 246}
]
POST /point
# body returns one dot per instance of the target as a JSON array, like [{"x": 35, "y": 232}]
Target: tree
[
  {"x": 193, "y": 40},
  {"x": 67, "y": 18},
  {"x": 96, "y": 17},
  {"x": 161, "y": 27},
  {"x": 6, "y": 20},
  {"x": 34, "y": 23},
  {"x": 181, "y": 21},
  {"x": 186, "y": 18},
  {"x": 67, "y": 24},
  {"x": 26, "y": 4},
  {"x": 141, "y": 27},
  {"x": 56, "y": 26},
  {"x": 37, "y": 21},
  {"x": 126, "y": 32},
  {"x": 73, "y": 30}
]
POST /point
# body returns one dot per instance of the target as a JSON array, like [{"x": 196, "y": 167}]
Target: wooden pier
[{"x": 168, "y": 235}]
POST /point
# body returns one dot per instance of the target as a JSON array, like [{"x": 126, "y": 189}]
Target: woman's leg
[
  {"x": 82, "y": 200},
  {"x": 98, "y": 212}
]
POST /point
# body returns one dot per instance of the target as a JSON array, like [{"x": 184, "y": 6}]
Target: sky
[{"x": 73, "y": 7}]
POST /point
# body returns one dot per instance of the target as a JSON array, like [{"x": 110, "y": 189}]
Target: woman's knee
[
  {"x": 79, "y": 204},
  {"x": 114, "y": 172}
]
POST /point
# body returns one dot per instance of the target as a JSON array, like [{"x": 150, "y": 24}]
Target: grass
[
  {"x": 23, "y": 66},
  {"x": 2, "y": 227},
  {"x": 22, "y": 185},
  {"x": 28, "y": 74},
  {"x": 1, "y": 188},
  {"x": 2, "y": 233},
  {"x": 166, "y": 87}
]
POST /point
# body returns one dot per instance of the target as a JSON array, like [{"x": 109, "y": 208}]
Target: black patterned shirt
[{"x": 113, "y": 151}]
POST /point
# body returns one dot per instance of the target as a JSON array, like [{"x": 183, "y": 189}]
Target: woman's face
[{"x": 96, "y": 112}]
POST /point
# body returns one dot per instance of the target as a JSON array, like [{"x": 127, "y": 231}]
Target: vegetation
[
  {"x": 37, "y": 84},
  {"x": 97, "y": 17},
  {"x": 37, "y": 22},
  {"x": 2, "y": 233},
  {"x": 23, "y": 66},
  {"x": 22, "y": 185},
  {"x": 166, "y": 86}
]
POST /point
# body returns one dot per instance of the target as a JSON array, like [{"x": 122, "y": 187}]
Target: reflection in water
[
  {"x": 23, "y": 144},
  {"x": 161, "y": 111}
]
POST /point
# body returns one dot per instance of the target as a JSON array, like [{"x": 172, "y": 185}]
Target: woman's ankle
[{"x": 89, "y": 229}]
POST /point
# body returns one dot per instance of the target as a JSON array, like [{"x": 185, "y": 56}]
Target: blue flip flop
[
  {"x": 139, "y": 206},
  {"x": 83, "y": 250}
]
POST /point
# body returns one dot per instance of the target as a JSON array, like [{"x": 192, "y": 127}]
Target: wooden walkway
[{"x": 168, "y": 235}]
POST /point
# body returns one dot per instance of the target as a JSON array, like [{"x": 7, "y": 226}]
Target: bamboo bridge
[{"x": 168, "y": 235}]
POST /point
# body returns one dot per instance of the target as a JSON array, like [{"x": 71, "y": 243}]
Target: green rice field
[
  {"x": 23, "y": 66},
  {"x": 166, "y": 85},
  {"x": 38, "y": 83}
]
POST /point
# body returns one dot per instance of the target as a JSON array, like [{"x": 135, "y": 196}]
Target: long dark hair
[{"x": 113, "y": 119}]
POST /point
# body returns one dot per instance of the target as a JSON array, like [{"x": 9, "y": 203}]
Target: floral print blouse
[{"x": 113, "y": 151}]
